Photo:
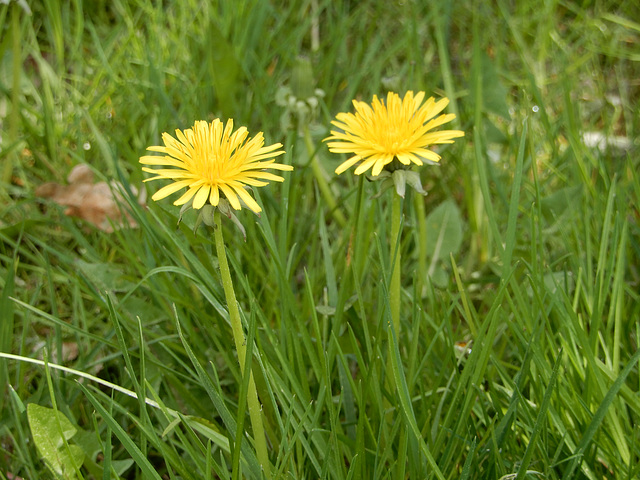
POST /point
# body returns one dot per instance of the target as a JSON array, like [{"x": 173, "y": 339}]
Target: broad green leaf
[
  {"x": 88, "y": 441},
  {"x": 561, "y": 201},
  {"x": 439, "y": 277},
  {"x": 493, "y": 133},
  {"x": 121, "y": 466},
  {"x": 49, "y": 434},
  {"x": 444, "y": 225},
  {"x": 105, "y": 276}
]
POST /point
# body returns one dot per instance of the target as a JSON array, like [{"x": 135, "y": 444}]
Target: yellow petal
[
  {"x": 187, "y": 196},
  {"x": 231, "y": 196},
  {"x": 169, "y": 189},
  {"x": 246, "y": 198},
  {"x": 365, "y": 165},
  {"x": 214, "y": 198},
  {"x": 348, "y": 164},
  {"x": 201, "y": 197}
]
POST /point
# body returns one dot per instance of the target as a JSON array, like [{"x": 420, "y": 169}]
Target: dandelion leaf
[
  {"x": 444, "y": 225},
  {"x": 49, "y": 430}
]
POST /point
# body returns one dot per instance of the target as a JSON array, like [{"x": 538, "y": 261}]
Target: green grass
[{"x": 526, "y": 247}]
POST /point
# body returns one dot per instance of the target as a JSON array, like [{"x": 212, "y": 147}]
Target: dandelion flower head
[
  {"x": 211, "y": 159},
  {"x": 396, "y": 129}
]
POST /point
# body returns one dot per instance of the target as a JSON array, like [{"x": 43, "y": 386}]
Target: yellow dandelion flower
[
  {"x": 211, "y": 159},
  {"x": 396, "y": 129}
]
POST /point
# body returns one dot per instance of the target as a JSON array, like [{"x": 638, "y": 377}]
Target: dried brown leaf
[{"x": 97, "y": 203}]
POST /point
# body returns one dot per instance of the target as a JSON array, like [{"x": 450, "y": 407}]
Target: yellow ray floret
[
  {"x": 383, "y": 131},
  {"x": 210, "y": 159}
]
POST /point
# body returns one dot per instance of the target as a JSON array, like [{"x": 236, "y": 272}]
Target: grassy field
[{"x": 517, "y": 353}]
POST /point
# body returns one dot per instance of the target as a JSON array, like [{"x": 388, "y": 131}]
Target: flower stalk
[
  {"x": 418, "y": 205},
  {"x": 254, "y": 406},
  {"x": 396, "y": 260}
]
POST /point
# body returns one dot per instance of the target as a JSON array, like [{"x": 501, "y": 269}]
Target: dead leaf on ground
[
  {"x": 97, "y": 203},
  {"x": 11, "y": 476},
  {"x": 69, "y": 352}
]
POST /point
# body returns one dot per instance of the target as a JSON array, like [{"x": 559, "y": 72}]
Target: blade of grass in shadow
[
  {"x": 399, "y": 377},
  {"x": 503, "y": 428},
  {"x": 54, "y": 321},
  {"x": 330, "y": 274},
  {"x": 20, "y": 436},
  {"x": 470, "y": 313},
  {"x": 191, "y": 423},
  {"x": 603, "y": 269},
  {"x": 314, "y": 349},
  {"x": 106, "y": 446},
  {"x": 617, "y": 296},
  {"x": 127, "y": 442},
  {"x": 405, "y": 401},
  {"x": 124, "y": 349},
  {"x": 540, "y": 419},
  {"x": 218, "y": 403},
  {"x": 510, "y": 241},
  {"x": 6, "y": 327},
  {"x": 347, "y": 386},
  {"x": 599, "y": 416},
  {"x": 242, "y": 397},
  {"x": 287, "y": 399},
  {"x": 289, "y": 442},
  {"x": 472, "y": 373},
  {"x": 481, "y": 163},
  {"x": 189, "y": 462},
  {"x": 466, "y": 468}
]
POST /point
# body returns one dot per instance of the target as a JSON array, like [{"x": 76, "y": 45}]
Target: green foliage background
[{"x": 526, "y": 248}]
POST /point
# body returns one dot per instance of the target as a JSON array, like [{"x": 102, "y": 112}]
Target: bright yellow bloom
[
  {"x": 210, "y": 160},
  {"x": 381, "y": 132}
]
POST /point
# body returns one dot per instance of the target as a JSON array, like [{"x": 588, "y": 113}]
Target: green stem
[
  {"x": 394, "y": 287},
  {"x": 255, "y": 409},
  {"x": 318, "y": 172},
  {"x": 423, "y": 242}
]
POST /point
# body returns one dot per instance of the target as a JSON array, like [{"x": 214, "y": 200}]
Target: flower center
[{"x": 393, "y": 140}]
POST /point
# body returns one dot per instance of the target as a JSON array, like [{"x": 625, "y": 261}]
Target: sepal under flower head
[
  {"x": 207, "y": 212},
  {"x": 399, "y": 179}
]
